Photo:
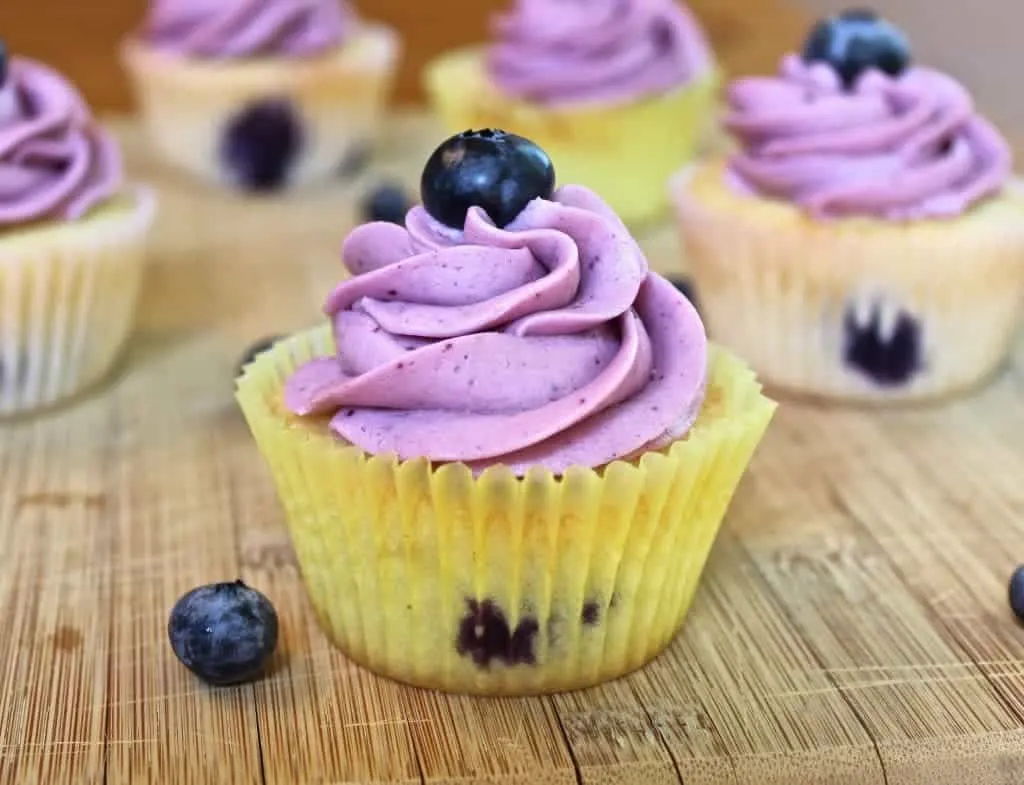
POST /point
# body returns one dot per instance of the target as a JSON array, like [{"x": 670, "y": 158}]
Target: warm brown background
[{"x": 80, "y": 37}]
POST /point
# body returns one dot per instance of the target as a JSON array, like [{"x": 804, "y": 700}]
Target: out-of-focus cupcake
[
  {"x": 260, "y": 94},
  {"x": 505, "y": 462},
  {"x": 866, "y": 241},
  {"x": 72, "y": 241},
  {"x": 619, "y": 92}
]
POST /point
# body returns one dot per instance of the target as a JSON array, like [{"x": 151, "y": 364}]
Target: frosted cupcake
[
  {"x": 619, "y": 92},
  {"x": 865, "y": 242},
  {"x": 260, "y": 94},
  {"x": 72, "y": 241},
  {"x": 505, "y": 461}
]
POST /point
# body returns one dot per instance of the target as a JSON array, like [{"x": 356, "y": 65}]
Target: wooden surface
[
  {"x": 852, "y": 626},
  {"x": 81, "y": 37}
]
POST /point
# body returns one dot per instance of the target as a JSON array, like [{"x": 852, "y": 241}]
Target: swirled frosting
[
  {"x": 55, "y": 160},
  {"x": 901, "y": 148},
  {"x": 545, "y": 343},
  {"x": 247, "y": 28},
  {"x": 562, "y": 51}
]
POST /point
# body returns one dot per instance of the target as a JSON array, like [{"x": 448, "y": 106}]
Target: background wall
[{"x": 80, "y": 37}]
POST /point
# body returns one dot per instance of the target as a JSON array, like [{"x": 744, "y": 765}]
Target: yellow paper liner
[
  {"x": 777, "y": 287},
  {"x": 340, "y": 99},
  {"x": 552, "y": 584},
  {"x": 68, "y": 292},
  {"x": 625, "y": 152}
]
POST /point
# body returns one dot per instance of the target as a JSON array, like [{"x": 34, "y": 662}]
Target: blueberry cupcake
[
  {"x": 260, "y": 94},
  {"x": 72, "y": 241},
  {"x": 505, "y": 460},
  {"x": 619, "y": 92},
  {"x": 866, "y": 240}
]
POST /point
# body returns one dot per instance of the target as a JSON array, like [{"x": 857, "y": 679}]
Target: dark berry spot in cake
[
  {"x": 887, "y": 351},
  {"x": 485, "y": 636},
  {"x": 254, "y": 351},
  {"x": 261, "y": 144},
  {"x": 355, "y": 160},
  {"x": 387, "y": 202},
  {"x": 591, "y": 614},
  {"x": 1017, "y": 592}
]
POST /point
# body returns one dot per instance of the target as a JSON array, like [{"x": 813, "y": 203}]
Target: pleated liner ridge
[{"x": 496, "y": 584}]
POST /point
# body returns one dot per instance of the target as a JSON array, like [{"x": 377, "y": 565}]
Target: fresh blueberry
[
  {"x": 889, "y": 357},
  {"x": 855, "y": 41},
  {"x": 1017, "y": 592},
  {"x": 225, "y": 633},
  {"x": 497, "y": 171},
  {"x": 254, "y": 351},
  {"x": 260, "y": 145},
  {"x": 387, "y": 202}
]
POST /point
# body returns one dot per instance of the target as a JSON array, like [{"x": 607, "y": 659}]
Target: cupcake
[
  {"x": 505, "y": 460},
  {"x": 260, "y": 94},
  {"x": 865, "y": 241},
  {"x": 72, "y": 241},
  {"x": 619, "y": 92}
]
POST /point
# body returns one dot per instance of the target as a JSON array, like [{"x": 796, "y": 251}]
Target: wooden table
[{"x": 852, "y": 627}]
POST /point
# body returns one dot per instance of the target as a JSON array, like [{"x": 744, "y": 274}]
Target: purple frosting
[
  {"x": 901, "y": 148},
  {"x": 564, "y": 51},
  {"x": 56, "y": 162},
  {"x": 247, "y": 28},
  {"x": 545, "y": 343}
]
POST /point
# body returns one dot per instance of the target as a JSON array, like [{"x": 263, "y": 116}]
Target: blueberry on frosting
[
  {"x": 494, "y": 170},
  {"x": 856, "y": 41}
]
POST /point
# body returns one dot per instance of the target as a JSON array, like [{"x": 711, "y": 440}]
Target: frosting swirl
[
  {"x": 247, "y": 28},
  {"x": 902, "y": 148},
  {"x": 545, "y": 343},
  {"x": 55, "y": 160},
  {"x": 561, "y": 51}
]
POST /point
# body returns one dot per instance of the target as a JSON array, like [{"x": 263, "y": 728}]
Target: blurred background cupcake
[
  {"x": 619, "y": 92},
  {"x": 72, "y": 240},
  {"x": 866, "y": 241},
  {"x": 256, "y": 94}
]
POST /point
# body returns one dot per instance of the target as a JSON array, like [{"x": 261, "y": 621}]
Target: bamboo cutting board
[{"x": 852, "y": 626}]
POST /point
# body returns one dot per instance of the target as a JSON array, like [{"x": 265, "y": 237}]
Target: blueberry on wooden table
[
  {"x": 225, "y": 633},
  {"x": 1017, "y": 592},
  {"x": 491, "y": 169},
  {"x": 387, "y": 202},
  {"x": 856, "y": 41}
]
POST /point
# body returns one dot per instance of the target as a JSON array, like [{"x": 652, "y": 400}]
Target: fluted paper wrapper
[
  {"x": 68, "y": 293},
  {"x": 626, "y": 152},
  {"x": 494, "y": 584},
  {"x": 854, "y": 309},
  {"x": 339, "y": 100}
]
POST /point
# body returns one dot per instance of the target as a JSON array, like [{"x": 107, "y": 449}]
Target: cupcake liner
[
  {"x": 68, "y": 293},
  {"x": 854, "y": 309},
  {"x": 199, "y": 114},
  {"x": 494, "y": 584},
  {"x": 626, "y": 152}
]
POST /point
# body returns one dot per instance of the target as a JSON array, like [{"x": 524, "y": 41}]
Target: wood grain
[
  {"x": 851, "y": 628},
  {"x": 82, "y": 38}
]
